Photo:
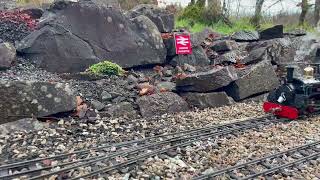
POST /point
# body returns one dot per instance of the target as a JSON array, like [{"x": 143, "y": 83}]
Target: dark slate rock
[
  {"x": 260, "y": 78},
  {"x": 197, "y": 58},
  {"x": 22, "y": 99},
  {"x": 208, "y": 100},
  {"x": 170, "y": 46},
  {"x": 272, "y": 33},
  {"x": 161, "y": 103},
  {"x": 110, "y": 36},
  {"x": 7, "y": 55},
  {"x": 208, "y": 81},
  {"x": 163, "y": 19},
  {"x": 245, "y": 36}
]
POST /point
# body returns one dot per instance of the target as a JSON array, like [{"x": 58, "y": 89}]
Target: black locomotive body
[{"x": 296, "y": 95}]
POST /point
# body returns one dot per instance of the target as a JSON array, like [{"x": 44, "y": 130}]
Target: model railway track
[
  {"x": 268, "y": 165},
  {"x": 131, "y": 152}
]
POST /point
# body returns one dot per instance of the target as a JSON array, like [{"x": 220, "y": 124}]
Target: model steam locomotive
[{"x": 296, "y": 96}]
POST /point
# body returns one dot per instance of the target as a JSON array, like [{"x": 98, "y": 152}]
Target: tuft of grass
[
  {"x": 106, "y": 68},
  {"x": 237, "y": 25},
  {"x": 36, "y": 3}
]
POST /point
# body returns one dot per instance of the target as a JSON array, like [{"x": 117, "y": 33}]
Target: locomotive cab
[{"x": 296, "y": 95}]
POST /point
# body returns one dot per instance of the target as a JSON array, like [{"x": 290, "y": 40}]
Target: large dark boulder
[
  {"x": 22, "y": 99},
  {"x": 208, "y": 100},
  {"x": 104, "y": 32},
  {"x": 245, "y": 36},
  {"x": 56, "y": 49},
  {"x": 161, "y": 103},
  {"x": 7, "y": 55},
  {"x": 208, "y": 81},
  {"x": 258, "y": 79},
  {"x": 272, "y": 33},
  {"x": 163, "y": 19},
  {"x": 197, "y": 58}
]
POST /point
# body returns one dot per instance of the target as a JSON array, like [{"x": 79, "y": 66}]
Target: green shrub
[
  {"x": 192, "y": 13},
  {"x": 106, "y": 68}
]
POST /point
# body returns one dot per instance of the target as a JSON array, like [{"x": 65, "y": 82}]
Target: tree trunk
[
  {"x": 257, "y": 14},
  {"x": 304, "y": 11},
  {"x": 192, "y": 2},
  {"x": 316, "y": 12}
]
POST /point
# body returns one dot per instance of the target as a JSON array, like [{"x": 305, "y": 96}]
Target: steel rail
[{"x": 122, "y": 144}]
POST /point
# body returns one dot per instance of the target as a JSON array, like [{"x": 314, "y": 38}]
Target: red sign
[{"x": 183, "y": 43}]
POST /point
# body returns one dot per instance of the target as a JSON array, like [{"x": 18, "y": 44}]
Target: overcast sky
[{"x": 247, "y": 6}]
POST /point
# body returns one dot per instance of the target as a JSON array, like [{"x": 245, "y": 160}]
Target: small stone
[
  {"x": 105, "y": 96},
  {"x": 97, "y": 105}
]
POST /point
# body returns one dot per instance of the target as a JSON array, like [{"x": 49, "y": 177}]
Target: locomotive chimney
[{"x": 290, "y": 74}]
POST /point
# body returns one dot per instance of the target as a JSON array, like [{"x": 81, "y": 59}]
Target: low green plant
[{"x": 106, "y": 68}]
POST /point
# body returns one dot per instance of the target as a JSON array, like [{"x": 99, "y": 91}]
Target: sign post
[{"x": 183, "y": 43}]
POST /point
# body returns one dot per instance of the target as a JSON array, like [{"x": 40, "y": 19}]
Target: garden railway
[{"x": 136, "y": 150}]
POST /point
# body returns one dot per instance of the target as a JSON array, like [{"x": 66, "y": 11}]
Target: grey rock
[
  {"x": 167, "y": 72},
  {"x": 97, "y": 105},
  {"x": 224, "y": 45},
  {"x": 245, "y": 36},
  {"x": 260, "y": 78},
  {"x": 132, "y": 79},
  {"x": 199, "y": 37},
  {"x": 258, "y": 98},
  {"x": 150, "y": 34},
  {"x": 197, "y": 58},
  {"x": 7, "y": 55},
  {"x": 163, "y": 19},
  {"x": 296, "y": 32},
  {"x": 227, "y": 58},
  {"x": 27, "y": 124},
  {"x": 208, "y": 100},
  {"x": 256, "y": 56},
  {"x": 122, "y": 109},
  {"x": 21, "y": 99},
  {"x": 108, "y": 3},
  {"x": 208, "y": 81},
  {"x": 189, "y": 68},
  {"x": 111, "y": 36},
  {"x": 272, "y": 33},
  {"x": 170, "y": 86},
  {"x": 161, "y": 103}
]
